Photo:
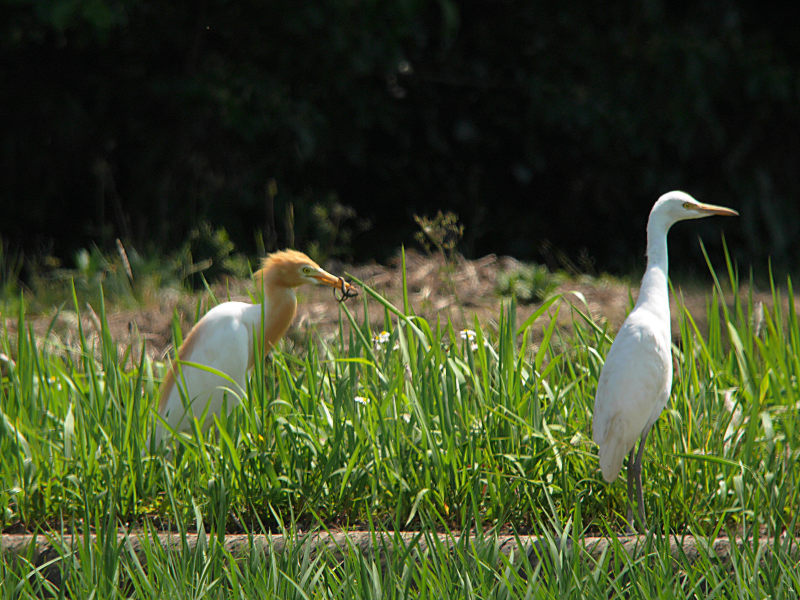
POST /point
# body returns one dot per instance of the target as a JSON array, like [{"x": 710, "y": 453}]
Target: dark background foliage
[{"x": 549, "y": 128}]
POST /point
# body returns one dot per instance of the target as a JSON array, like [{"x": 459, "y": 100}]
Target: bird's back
[
  {"x": 221, "y": 340},
  {"x": 632, "y": 389}
]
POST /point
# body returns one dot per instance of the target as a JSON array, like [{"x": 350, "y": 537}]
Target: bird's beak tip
[
  {"x": 727, "y": 212},
  {"x": 722, "y": 211},
  {"x": 347, "y": 288},
  {"x": 333, "y": 281}
]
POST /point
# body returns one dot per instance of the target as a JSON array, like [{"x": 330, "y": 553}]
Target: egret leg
[
  {"x": 635, "y": 470},
  {"x": 629, "y": 527}
]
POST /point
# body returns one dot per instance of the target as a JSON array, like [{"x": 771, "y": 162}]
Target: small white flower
[
  {"x": 361, "y": 400},
  {"x": 381, "y": 338},
  {"x": 468, "y": 334}
]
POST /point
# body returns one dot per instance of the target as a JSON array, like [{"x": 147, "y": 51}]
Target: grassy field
[{"x": 417, "y": 426}]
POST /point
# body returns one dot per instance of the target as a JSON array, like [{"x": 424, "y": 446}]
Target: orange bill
[
  {"x": 713, "y": 209},
  {"x": 348, "y": 290}
]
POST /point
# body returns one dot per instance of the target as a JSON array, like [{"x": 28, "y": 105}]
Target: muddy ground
[{"x": 460, "y": 290}]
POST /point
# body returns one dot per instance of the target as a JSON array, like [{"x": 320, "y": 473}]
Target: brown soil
[{"x": 461, "y": 291}]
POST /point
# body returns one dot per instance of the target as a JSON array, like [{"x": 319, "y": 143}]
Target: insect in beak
[{"x": 347, "y": 290}]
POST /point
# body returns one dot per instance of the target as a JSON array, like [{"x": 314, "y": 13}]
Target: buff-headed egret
[
  {"x": 636, "y": 379},
  {"x": 225, "y": 341}
]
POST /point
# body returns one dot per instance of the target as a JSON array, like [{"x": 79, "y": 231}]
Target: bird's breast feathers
[{"x": 635, "y": 380}]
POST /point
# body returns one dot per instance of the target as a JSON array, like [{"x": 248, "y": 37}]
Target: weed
[
  {"x": 441, "y": 233},
  {"x": 528, "y": 283}
]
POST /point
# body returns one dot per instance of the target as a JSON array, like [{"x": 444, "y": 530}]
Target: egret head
[
  {"x": 679, "y": 206},
  {"x": 290, "y": 268}
]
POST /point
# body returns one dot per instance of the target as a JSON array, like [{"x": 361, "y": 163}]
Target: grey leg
[
  {"x": 636, "y": 471},
  {"x": 629, "y": 528}
]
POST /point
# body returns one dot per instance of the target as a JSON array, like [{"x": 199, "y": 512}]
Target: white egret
[
  {"x": 636, "y": 379},
  {"x": 225, "y": 339}
]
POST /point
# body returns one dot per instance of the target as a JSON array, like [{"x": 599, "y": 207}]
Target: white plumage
[
  {"x": 225, "y": 339},
  {"x": 639, "y": 371},
  {"x": 636, "y": 379},
  {"x": 222, "y": 340}
]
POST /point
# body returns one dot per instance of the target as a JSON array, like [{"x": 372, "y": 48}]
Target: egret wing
[
  {"x": 221, "y": 341},
  {"x": 631, "y": 385}
]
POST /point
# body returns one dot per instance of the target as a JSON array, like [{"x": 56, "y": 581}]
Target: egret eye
[
  {"x": 307, "y": 270},
  {"x": 688, "y": 205}
]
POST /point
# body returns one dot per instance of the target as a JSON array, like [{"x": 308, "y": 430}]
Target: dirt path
[{"x": 45, "y": 551}]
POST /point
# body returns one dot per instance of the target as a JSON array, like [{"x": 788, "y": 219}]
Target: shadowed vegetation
[{"x": 287, "y": 123}]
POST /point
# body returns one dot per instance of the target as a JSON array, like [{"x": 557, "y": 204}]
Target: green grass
[{"x": 431, "y": 429}]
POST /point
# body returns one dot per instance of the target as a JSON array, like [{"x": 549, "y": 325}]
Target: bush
[{"x": 532, "y": 121}]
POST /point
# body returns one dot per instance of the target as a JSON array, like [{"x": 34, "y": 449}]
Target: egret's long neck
[
  {"x": 654, "y": 292},
  {"x": 271, "y": 319}
]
